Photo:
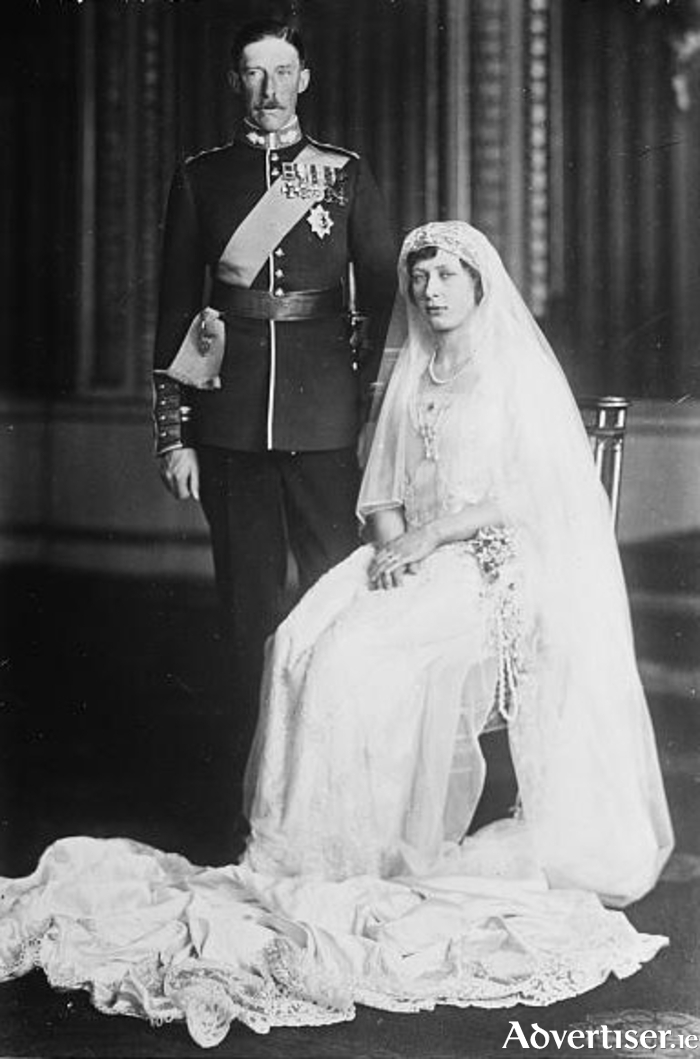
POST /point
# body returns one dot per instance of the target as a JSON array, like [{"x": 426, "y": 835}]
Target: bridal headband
[{"x": 456, "y": 237}]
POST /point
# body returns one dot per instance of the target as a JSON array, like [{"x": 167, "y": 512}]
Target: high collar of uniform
[{"x": 288, "y": 135}]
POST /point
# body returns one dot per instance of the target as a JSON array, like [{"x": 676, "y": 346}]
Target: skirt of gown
[{"x": 358, "y": 884}]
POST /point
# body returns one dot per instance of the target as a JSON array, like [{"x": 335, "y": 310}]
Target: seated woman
[
  {"x": 491, "y": 594},
  {"x": 502, "y": 599}
]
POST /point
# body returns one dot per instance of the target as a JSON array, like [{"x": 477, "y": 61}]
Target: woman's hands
[
  {"x": 399, "y": 551},
  {"x": 400, "y": 556}
]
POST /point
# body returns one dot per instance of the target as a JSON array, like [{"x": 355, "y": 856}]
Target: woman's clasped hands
[{"x": 402, "y": 555}]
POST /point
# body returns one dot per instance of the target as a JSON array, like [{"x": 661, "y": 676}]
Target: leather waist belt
[{"x": 262, "y": 305}]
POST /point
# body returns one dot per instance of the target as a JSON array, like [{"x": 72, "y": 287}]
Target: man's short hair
[{"x": 261, "y": 28}]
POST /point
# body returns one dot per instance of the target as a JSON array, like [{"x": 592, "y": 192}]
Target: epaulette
[
  {"x": 206, "y": 153},
  {"x": 332, "y": 147}
]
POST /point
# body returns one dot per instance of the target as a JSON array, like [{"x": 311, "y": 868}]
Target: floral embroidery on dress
[{"x": 495, "y": 549}]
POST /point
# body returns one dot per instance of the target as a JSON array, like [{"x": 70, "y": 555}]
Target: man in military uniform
[{"x": 260, "y": 390}]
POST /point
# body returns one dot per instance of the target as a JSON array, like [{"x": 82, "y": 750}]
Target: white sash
[{"x": 198, "y": 360}]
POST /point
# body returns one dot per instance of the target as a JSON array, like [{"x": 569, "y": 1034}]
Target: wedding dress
[{"x": 361, "y": 882}]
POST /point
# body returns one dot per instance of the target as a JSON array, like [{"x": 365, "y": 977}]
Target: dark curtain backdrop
[
  {"x": 630, "y": 173},
  {"x": 39, "y": 115},
  {"x": 550, "y": 123}
]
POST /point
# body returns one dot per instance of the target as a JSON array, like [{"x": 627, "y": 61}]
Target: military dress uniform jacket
[{"x": 287, "y": 385}]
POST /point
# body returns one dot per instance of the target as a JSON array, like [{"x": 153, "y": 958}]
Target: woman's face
[{"x": 443, "y": 290}]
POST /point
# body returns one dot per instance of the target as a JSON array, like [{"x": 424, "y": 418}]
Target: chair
[{"x": 605, "y": 419}]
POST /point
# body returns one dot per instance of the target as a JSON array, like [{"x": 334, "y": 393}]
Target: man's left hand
[{"x": 179, "y": 471}]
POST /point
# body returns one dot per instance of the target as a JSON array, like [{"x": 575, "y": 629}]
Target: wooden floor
[{"x": 113, "y": 722}]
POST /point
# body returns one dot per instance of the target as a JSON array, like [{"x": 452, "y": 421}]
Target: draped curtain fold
[{"x": 628, "y": 311}]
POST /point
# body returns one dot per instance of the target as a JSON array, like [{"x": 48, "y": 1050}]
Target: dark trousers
[{"x": 261, "y": 506}]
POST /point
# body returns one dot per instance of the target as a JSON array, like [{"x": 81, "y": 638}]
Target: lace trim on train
[
  {"x": 295, "y": 989},
  {"x": 522, "y": 976},
  {"x": 208, "y": 996}
]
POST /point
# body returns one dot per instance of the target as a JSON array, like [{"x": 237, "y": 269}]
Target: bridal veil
[{"x": 590, "y": 788}]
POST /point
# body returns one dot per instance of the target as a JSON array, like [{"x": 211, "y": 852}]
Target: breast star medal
[{"x": 320, "y": 221}]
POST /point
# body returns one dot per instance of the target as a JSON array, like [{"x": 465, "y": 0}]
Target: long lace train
[{"x": 150, "y": 935}]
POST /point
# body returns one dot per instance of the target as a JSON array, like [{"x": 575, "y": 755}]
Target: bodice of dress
[{"x": 447, "y": 449}]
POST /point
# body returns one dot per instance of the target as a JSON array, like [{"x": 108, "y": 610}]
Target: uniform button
[
  {"x": 279, "y": 252},
  {"x": 278, "y": 292},
  {"x": 274, "y": 172},
  {"x": 279, "y": 273},
  {"x": 274, "y": 157}
]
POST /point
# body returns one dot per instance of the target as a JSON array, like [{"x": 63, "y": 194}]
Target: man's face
[{"x": 270, "y": 77}]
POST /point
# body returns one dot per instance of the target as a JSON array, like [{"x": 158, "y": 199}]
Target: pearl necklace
[{"x": 451, "y": 378}]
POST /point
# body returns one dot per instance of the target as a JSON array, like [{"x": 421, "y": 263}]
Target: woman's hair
[
  {"x": 427, "y": 252},
  {"x": 261, "y": 28}
]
